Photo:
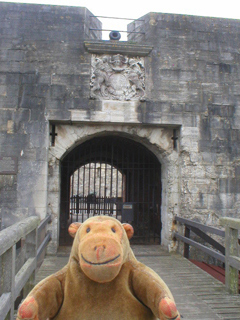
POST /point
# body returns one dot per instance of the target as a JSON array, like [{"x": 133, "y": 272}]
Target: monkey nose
[{"x": 99, "y": 250}]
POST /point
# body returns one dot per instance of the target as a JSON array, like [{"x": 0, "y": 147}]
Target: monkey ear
[
  {"x": 129, "y": 230},
  {"x": 73, "y": 228}
]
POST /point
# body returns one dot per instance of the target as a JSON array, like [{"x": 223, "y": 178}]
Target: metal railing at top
[
  {"x": 21, "y": 248},
  {"x": 229, "y": 254},
  {"x": 117, "y": 18}
]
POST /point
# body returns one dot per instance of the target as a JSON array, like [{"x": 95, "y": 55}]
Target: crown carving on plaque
[{"x": 117, "y": 77}]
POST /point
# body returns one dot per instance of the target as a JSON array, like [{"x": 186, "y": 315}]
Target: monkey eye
[
  {"x": 113, "y": 230},
  {"x": 88, "y": 230}
]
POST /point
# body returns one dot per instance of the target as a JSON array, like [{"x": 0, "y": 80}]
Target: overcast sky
[{"x": 135, "y": 9}]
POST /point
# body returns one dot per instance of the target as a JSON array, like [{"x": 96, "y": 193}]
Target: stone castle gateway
[{"x": 90, "y": 126}]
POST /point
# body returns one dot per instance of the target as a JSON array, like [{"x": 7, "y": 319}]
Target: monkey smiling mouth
[{"x": 100, "y": 263}]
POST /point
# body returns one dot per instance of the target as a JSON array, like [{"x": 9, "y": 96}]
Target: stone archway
[
  {"x": 116, "y": 176},
  {"x": 157, "y": 140}
]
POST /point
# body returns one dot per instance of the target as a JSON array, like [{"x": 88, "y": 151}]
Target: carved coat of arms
[{"x": 117, "y": 77}]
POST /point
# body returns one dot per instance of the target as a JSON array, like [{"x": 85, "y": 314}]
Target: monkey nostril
[{"x": 103, "y": 247}]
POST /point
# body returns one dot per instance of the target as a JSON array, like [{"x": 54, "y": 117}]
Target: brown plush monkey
[{"x": 102, "y": 280}]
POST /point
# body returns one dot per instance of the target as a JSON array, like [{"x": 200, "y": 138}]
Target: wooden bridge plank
[{"x": 198, "y": 295}]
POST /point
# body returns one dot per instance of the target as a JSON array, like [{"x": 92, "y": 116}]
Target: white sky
[{"x": 135, "y": 9}]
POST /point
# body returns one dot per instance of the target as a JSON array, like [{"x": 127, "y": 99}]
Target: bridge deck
[{"x": 198, "y": 295}]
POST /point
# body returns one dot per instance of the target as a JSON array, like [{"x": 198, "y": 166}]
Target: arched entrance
[{"x": 115, "y": 176}]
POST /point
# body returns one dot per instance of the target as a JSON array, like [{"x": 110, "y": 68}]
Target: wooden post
[
  {"x": 186, "y": 245},
  {"x": 231, "y": 250},
  {"x": 8, "y": 272},
  {"x": 31, "y": 252},
  {"x": 231, "y": 274}
]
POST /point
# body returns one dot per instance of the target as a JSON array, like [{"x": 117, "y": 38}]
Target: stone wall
[
  {"x": 43, "y": 67},
  {"x": 191, "y": 75},
  {"x": 193, "y": 79}
]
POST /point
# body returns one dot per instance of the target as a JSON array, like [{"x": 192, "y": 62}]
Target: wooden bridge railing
[
  {"x": 228, "y": 254},
  {"x": 21, "y": 247}
]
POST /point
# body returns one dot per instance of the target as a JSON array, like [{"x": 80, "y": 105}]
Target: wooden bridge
[{"x": 198, "y": 295}]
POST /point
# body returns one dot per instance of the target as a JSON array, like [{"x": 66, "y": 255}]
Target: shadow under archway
[{"x": 114, "y": 176}]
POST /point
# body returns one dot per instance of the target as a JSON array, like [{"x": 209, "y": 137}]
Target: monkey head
[{"x": 101, "y": 246}]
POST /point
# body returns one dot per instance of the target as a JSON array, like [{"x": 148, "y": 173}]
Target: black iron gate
[{"x": 112, "y": 176}]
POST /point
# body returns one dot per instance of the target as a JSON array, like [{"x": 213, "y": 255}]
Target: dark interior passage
[{"x": 113, "y": 176}]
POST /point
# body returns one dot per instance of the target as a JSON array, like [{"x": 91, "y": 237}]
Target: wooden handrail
[
  {"x": 200, "y": 226},
  {"x": 228, "y": 255},
  {"x": 44, "y": 244},
  {"x": 200, "y": 230},
  {"x": 13, "y": 283},
  {"x": 200, "y": 246},
  {"x": 12, "y": 234},
  {"x": 44, "y": 222}
]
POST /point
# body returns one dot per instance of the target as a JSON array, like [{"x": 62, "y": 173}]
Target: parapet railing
[
  {"x": 21, "y": 248},
  {"x": 228, "y": 254},
  {"x": 117, "y": 18}
]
